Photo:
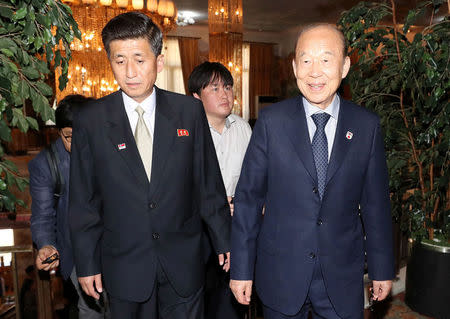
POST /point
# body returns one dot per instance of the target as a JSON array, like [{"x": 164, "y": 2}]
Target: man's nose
[
  {"x": 223, "y": 93},
  {"x": 131, "y": 70},
  {"x": 316, "y": 69}
]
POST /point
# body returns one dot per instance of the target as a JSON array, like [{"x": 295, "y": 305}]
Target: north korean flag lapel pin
[
  {"x": 349, "y": 135},
  {"x": 121, "y": 146},
  {"x": 182, "y": 132}
]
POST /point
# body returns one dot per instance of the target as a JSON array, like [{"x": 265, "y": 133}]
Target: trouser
[
  {"x": 164, "y": 303},
  {"x": 88, "y": 307},
  {"x": 220, "y": 301},
  {"x": 317, "y": 301}
]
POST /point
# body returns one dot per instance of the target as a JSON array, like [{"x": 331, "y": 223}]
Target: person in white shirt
[{"x": 212, "y": 83}]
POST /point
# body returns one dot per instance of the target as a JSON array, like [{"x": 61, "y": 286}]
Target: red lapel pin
[{"x": 182, "y": 132}]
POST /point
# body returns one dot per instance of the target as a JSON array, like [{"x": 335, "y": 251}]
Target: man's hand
[
  {"x": 43, "y": 254},
  {"x": 381, "y": 289},
  {"x": 92, "y": 284},
  {"x": 242, "y": 290},
  {"x": 224, "y": 260},
  {"x": 230, "y": 199}
]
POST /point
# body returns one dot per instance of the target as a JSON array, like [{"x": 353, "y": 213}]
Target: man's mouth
[{"x": 316, "y": 87}]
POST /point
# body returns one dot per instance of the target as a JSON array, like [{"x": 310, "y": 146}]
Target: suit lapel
[
  {"x": 163, "y": 138},
  {"x": 119, "y": 132},
  {"x": 341, "y": 143},
  {"x": 297, "y": 130}
]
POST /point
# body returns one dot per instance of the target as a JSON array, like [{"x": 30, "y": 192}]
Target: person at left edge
[
  {"x": 136, "y": 221},
  {"x": 49, "y": 218}
]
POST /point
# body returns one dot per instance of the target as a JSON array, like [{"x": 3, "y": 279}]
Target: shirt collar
[
  {"x": 332, "y": 109},
  {"x": 148, "y": 104},
  {"x": 228, "y": 121}
]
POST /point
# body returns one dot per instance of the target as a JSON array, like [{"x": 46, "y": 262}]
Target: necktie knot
[
  {"x": 140, "y": 111},
  {"x": 320, "y": 119}
]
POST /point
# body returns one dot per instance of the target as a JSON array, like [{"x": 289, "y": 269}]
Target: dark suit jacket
[
  {"x": 122, "y": 225},
  {"x": 298, "y": 227},
  {"x": 50, "y": 224}
]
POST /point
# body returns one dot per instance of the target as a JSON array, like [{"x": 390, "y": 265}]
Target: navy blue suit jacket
[
  {"x": 50, "y": 226},
  {"x": 279, "y": 249}
]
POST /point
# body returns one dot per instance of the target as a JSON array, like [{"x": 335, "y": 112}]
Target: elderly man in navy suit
[{"x": 316, "y": 162}]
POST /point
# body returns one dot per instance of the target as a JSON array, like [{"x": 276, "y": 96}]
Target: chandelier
[
  {"x": 89, "y": 70},
  {"x": 225, "y": 20}
]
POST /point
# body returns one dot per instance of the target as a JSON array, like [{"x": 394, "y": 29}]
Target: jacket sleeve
[
  {"x": 210, "y": 191},
  {"x": 85, "y": 222},
  {"x": 43, "y": 213},
  {"x": 376, "y": 213},
  {"x": 248, "y": 203}
]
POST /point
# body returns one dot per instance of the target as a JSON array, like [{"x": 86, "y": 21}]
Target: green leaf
[
  {"x": 41, "y": 65},
  {"x": 31, "y": 73},
  {"x": 20, "y": 14},
  {"x": 19, "y": 120},
  {"x": 44, "y": 20},
  {"x": 62, "y": 82},
  {"x": 30, "y": 28},
  {"x": 7, "y": 52},
  {"x": 6, "y": 43},
  {"x": 24, "y": 89},
  {"x": 44, "y": 88},
  {"x": 5, "y": 132},
  {"x": 6, "y": 12},
  {"x": 38, "y": 43},
  {"x": 12, "y": 66},
  {"x": 57, "y": 58},
  {"x": 33, "y": 123}
]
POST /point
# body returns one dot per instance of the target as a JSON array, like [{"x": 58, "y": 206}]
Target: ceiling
[{"x": 280, "y": 15}]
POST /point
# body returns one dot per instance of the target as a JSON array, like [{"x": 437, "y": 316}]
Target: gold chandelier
[
  {"x": 225, "y": 19},
  {"x": 89, "y": 71}
]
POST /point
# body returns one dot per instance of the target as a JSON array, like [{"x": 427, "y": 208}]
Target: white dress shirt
[
  {"x": 230, "y": 149},
  {"x": 149, "y": 105},
  {"x": 330, "y": 128}
]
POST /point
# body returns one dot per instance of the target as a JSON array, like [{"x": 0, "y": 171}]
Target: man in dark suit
[
  {"x": 144, "y": 175},
  {"x": 314, "y": 161}
]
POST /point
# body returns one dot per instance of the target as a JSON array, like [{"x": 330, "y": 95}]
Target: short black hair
[
  {"x": 67, "y": 107},
  {"x": 132, "y": 25},
  {"x": 206, "y": 73}
]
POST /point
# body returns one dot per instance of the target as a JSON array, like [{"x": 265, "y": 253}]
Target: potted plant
[
  {"x": 402, "y": 73},
  {"x": 35, "y": 37}
]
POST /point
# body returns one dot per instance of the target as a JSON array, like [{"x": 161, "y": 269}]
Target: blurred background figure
[{"x": 49, "y": 189}]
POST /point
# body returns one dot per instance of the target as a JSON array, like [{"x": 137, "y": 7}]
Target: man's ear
[
  {"x": 346, "y": 67},
  {"x": 294, "y": 67},
  {"x": 196, "y": 96},
  {"x": 159, "y": 63}
]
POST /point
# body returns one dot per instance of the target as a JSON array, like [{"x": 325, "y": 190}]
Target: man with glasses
[{"x": 49, "y": 219}]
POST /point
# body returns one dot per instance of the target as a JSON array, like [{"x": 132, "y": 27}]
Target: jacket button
[
  {"x": 312, "y": 255},
  {"x": 315, "y": 190},
  {"x": 319, "y": 222},
  {"x": 155, "y": 236},
  {"x": 152, "y": 205}
]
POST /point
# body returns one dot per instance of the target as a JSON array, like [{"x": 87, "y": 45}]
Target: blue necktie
[{"x": 320, "y": 150}]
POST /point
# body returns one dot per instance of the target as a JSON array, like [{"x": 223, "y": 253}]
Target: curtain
[
  {"x": 189, "y": 57},
  {"x": 171, "y": 77},
  {"x": 245, "y": 81},
  {"x": 262, "y": 62}
]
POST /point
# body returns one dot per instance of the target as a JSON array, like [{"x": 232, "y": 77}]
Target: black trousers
[
  {"x": 164, "y": 303},
  {"x": 219, "y": 300}
]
